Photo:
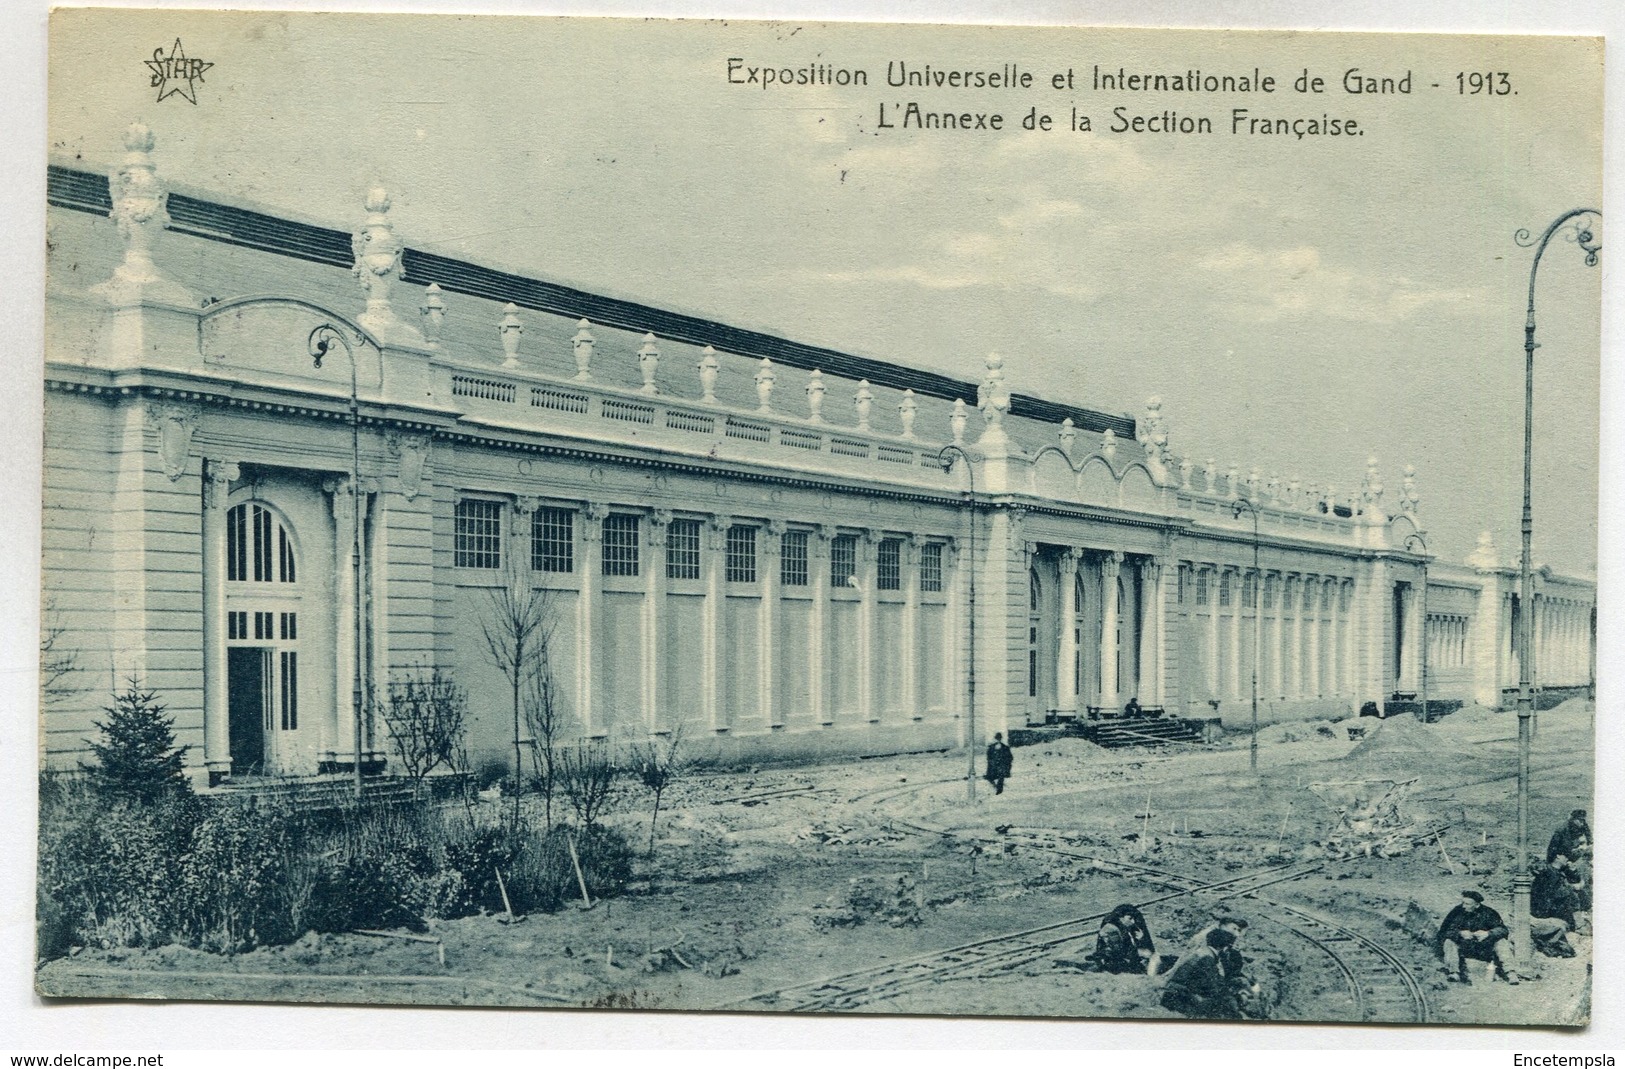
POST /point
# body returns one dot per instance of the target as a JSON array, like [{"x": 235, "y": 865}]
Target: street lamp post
[
  {"x": 321, "y": 341},
  {"x": 1258, "y": 621},
  {"x": 945, "y": 459},
  {"x": 1423, "y": 638},
  {"x": 1580, "y": 220}
]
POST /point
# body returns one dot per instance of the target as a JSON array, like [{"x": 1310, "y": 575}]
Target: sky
[{"x": 1299, "y": 304}]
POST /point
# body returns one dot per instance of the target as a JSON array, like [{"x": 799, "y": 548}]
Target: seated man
[
  {"x": 1123, "y": 944},
  {"x": 1249, "y": 994},
  {"x": 1573, "y": 841},
  {"x": 1197, "y": 987},
  {"x": 1132, "y": 710},
  {"x": 1474, "y": 932},
  {"x": 1552, "y": 905}
]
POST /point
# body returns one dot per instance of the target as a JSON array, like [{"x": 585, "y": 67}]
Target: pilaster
[
  {"x": 768, "y": 551},
  {"x": 1110, "y": 567},
  {"x": 654, "y": 619},
  {"x": 1066, "y": 660},
  {"x": 592, "y": 561},
  {"x": 217, "y": 478}
]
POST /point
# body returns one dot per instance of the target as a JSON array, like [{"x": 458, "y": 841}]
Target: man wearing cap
[
  {"x": 1573, "y": 841},
  {"x": 1197, "y": 987},
  {"x": 1474, "y": 932},
  {"x": 1552, "y": 905}
]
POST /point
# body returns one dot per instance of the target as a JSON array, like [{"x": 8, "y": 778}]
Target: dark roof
[{"x": 87, "y": 191}]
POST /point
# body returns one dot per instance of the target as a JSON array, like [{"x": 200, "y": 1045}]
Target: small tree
[
  {"x": 518, "y": 626},
  {"x": 58, "y": 661},
  {"x": 137, "y": 759},
  {"x": 544, "y": 717},
  {"x": 427, "y": 714},
  {"x": 587, "y": 775},
  {"x": 658, "y": 764}
]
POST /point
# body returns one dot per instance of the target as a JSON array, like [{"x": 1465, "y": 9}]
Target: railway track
[{"x": 1379, "y": 985}]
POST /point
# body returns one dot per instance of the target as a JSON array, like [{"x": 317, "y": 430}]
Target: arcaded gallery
[{"x": 286, "y": 463}]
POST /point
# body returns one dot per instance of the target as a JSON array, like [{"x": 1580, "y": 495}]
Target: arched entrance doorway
[{"x": 262, "y": 641}]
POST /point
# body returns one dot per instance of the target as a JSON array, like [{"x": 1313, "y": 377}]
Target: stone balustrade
[{"x": 538, "y": 401}]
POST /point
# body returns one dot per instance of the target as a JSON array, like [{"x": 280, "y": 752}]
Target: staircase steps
[{"x": 1121, "y": 734}]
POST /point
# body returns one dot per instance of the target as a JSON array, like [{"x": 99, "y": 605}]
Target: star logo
[{"x": 176, "y": 74}]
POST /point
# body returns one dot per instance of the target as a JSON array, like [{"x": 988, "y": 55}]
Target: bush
[
  {"x": 476, "y": 860},
  {"x": 368, "y": 892},
  {"x": 240, "y": 880},
  {"x": 544, "y": 878},
  {"x": 229, "y": 874}
]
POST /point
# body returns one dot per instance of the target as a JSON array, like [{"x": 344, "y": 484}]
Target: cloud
[{"x": 1253, "y": 284}]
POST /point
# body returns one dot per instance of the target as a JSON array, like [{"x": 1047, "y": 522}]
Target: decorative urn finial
[
  {"x": 709, "y": 366},
  {"x": 648, "y": 364},
  {"x": 907, "y": 409},
  {"x": 815, "y": 397},
  {"x": 378, "y": 250},
  {"x": 581, "y": 344},
  {"x": 510, "y": 329},
  {"x": 994, "y": 400},
  {"x": 140, "y": 212},
  {"x": 765, "y": 378},
  {"x": 1069, "y": 436},
  {"x": 863, "y": 402},
  {"x": 433, "y": 310},
  {"x": 1409, "y": 499}
]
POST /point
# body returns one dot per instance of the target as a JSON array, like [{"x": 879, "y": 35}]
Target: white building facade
[{"x": 268, "y": 493}]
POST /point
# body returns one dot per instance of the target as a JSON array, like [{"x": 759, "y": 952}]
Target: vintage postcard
[{"x": 851, "y": 518}]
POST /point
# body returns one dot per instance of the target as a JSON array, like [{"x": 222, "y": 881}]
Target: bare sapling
[
  {"x": 518, "y": 625},
  {"x": 427, "y": 715},
  {"x": 658, "y": 764}
]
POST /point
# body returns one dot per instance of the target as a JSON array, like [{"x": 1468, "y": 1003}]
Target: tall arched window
[
  {"x": 262, "y": 644},
  {"x": 257, "y": 547}
]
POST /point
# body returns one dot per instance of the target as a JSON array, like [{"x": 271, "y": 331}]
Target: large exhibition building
[{"x": 269, "y": 491}]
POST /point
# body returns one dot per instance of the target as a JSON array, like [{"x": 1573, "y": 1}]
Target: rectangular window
[
  {"x": 552, "y": 540},
  {"x": 478, "y": 533},
  {"x": 620, "y": 545},
  {"x": 1249, "y": 589},
  {"x": 236, "y": 625},
  {"x": 290, "y": 626},
  {"x": 683, "y": 549},
  {"x": 843, "y": 560},
  {"x": 1184, "y": 582},
  {"x": 741, "y": 554},
  {"x": 290, "y": 691},
  {"x": 1224, "y": 590},
  {"x": 889, "y": 564},
  {"x": 931, "y": 567},
  {"x": 1269, "y": 593},
  {"x": 1201, "y": 588},
  {"x": 264, "y": 625},
  {"x": 793, "y": 558}
]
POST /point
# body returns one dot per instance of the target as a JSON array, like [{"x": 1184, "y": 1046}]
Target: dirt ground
[{"x": 766, "y": 879}]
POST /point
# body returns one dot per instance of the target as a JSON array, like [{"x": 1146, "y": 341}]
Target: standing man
[
  {"x": 1474, "y": 932},
  {"x": 999, "y": 762}
]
